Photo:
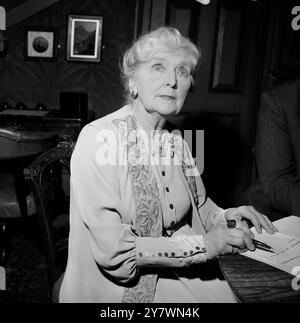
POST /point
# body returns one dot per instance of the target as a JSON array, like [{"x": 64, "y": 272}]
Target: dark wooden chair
[
  {"x": 48, "y": 177},
  {"x": 17, "y": 149},
  {"x": 3, "y": 242},
  {"x": 2, "y": 254}
]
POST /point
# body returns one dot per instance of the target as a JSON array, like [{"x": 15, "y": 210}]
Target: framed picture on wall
[
  {"x": 84, "y": 38},
  {"x": 40, "y": 43}
]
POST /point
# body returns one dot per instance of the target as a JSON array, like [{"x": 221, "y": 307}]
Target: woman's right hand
[{"x": 221, "y": 240}]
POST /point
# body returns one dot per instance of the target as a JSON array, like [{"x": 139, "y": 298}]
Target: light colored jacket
[{"x": 106, "y": 249}]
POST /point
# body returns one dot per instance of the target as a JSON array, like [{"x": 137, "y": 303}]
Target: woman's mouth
[{"x": 167, "y": 97}]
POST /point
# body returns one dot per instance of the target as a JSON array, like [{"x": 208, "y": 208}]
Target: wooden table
[
  {"x": 254, "y": 282},
  {"x": 46, "y": 121}
]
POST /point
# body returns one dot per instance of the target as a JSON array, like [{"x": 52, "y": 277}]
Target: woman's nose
[{"x": 172, "y": 79}]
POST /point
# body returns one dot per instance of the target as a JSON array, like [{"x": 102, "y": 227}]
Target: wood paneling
[
  {"x": 226, "y": 72},
  {"x": 184, "y": 15},
  {"x": 152, "y": 14},
  {"x": 158, "y": 14}
]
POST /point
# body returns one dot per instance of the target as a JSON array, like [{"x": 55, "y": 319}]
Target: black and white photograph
[
  {"x": 84, "y": 38},
  {"x": 149, "y": 156},
  {"x": 39, "y": 44}
]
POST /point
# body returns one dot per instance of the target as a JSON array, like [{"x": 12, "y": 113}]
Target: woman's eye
[
  {"x": 183, "y": 72},
  {"x": 158, "y": 67}
]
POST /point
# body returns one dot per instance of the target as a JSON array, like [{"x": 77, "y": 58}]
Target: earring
[{"x": 133, "y": 94}]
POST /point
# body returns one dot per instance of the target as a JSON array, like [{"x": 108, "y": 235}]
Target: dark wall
[{"x": 34, "y": 82}]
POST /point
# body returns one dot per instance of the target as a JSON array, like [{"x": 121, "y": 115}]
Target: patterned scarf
[{"x": 149, "y": 214}]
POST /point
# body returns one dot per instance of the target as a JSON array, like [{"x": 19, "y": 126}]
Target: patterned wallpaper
[{"x": 33, "y": 82}]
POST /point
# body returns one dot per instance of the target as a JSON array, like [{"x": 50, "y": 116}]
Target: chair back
[
  {"x": 45, "y": 178},
  {"x": 3, "y": 243},
  {"x": 17, "y": 149}
]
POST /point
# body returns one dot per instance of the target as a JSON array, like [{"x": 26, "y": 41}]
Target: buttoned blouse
[{"x": 173, "y": 194}]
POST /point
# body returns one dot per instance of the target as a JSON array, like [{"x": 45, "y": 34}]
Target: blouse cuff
[{"x": 177, "y": 251}]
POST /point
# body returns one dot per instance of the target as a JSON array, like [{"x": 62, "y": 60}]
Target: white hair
[{"x": 144, "y": 49}]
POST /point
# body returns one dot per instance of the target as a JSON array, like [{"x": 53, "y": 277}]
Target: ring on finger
[
  {"x": 231, "y": 224},
  {"x": 234, "y": 250}
]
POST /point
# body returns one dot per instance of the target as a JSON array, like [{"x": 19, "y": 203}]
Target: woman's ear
[{"x": 132, "y": 89}]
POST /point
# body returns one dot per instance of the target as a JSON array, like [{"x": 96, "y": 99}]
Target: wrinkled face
[{"x": 162, "y": 83}]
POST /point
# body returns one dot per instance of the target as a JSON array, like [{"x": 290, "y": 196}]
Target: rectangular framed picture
[
  {"x": 84, "y": 38},
  {"x": 40, "y": 44}
]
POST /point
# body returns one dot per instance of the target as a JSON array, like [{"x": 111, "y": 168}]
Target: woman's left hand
[{"x": 258, "y": 219}]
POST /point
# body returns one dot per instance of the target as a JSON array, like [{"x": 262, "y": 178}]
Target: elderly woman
[{"x": 141, "y": 226}]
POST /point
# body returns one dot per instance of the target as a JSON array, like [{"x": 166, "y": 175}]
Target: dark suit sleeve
[{"x": 275, "y": 158}]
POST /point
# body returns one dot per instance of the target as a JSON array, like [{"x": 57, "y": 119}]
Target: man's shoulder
[
  {"x": 286, "y": 90},
  {"x": 285, "y": 96}
]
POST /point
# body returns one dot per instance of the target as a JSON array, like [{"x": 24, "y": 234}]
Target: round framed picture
[{"x": 40, "y": 44}]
